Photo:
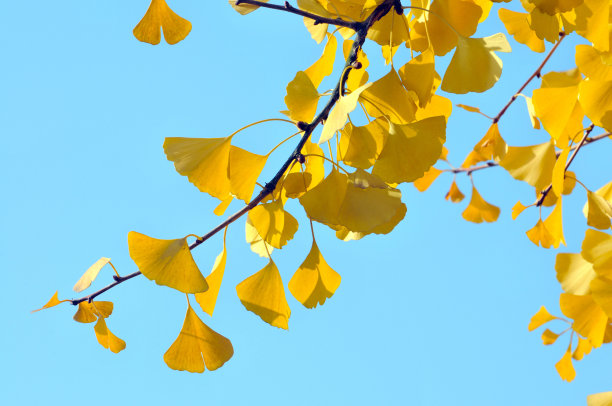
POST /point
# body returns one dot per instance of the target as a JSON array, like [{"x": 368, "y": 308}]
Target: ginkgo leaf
[
  {"x": 410, "y": 150},
  {"x": 565, "y": 368},
  {"x": 207, "y": 300},
  {"x": 389, "y": 27},
  {"x": 167, "y": 262},
  {"x": 539, "y": 235},
  {"x": 540, "y": 318},
  {"x": 297, "y": 183},
  {"x": 517, "y": 209},
  {"x": 221, "y": 207},
  {"x": 555, "y": 6},
  {"x": 338, "y": 116},
  {"x": 454, "y": 194},
  {"x": 600, "y": 211},
  {"x": 418, "y": 76},
  {"x": 596, "y": 29},
  {"x": 532, "y": 164},
  {"x": 597, "y": 249},
  {"x": 471, "y": 109},
  {"x": 90, "y": 312},
  {"x": 263, "y": 294},
  {"x": 548, "y": 337},
  {"x": 518, "y": 25},
  {"x": 424, "y": 182},
  {"x": 491, "y": 146},
  {"x": 302, "y": 98},
  {"x": 275, "y": 225},
  {"x": 605, "y": 192},
  {"x": 324, "y": 66},
  {"x": 196, "y": 346},
  {"x": 590, "y": 320},
  {"x": 601, "y": 290},
  {"x": 360, "y": 146},
  {"x": 314, "y": 281},
  {"x": 474, "y": 66},
  {"x": 106, "y": 338},
  {"x": 54, "y": 301},
  {"x": 317, "y": 31},
  {"x": 556, "y": 104},
  {"x": 594, "y": 64},
  {"x": 583, "y": 348},
  {"x": 554, "y": 225},
  {"x": 90, "y": 275},
  {"x": 356, "y": 77},
  {"x": 437, "y": 106},
  {"x": 388, "y": 97},
  {"x": 255, "y": 240},
  {"x": 159, "y": 15},
  {"x": 535, "y": 122},
  {"x": 558, "y": 173},
  {"x": 544, "y": 25},
  {"x": 244, "y": 169},
  {"x": 244, "y": 8},
  {"x": 600, "y": 399},
  {"x": 205, "y": 162},
  {"x": 574, "y": 273},
  {"x": 323, "y": 202},
  {"x": 596, "y": 99},
  {"x": 479, "y": 210}
]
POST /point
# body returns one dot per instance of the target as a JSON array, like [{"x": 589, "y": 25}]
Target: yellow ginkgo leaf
[
  {"x": 479, "y": 210},
  {"x": 535, "y": 122},
  {"x": 539, "y": 235},
  {"x": 196, "y": 346},
  {"x": 244, "y": 169},
  {"x": 221, "y": 207},
  {"x": 337, "y": 117},
  {"x": 590, "y": 320},
  {"x": 356, "y": 77},
  {"x": 297, "y": 182},
  {"x": 437, "y": 106},
  {"x": 90, "y": 275},
  {"x": 106, "y": 338},
  {"x": 554, "y": 225},
  {"x": 596, "y": 15},
  {"x": 475, "y": 67},
  {"x": 583, "y": 348},
  {"x": 565, "y": 368},
  {"x": 605, "y": 192},
  {"x": 207, "y": 300},
  {"x": 388, "y": 97},
  {"x": 90, "y": 312},
  {"x": 314, "y": 281},
  {"x": 324, "y": 65},
  {"x": 596, "y": 99},
  {"x": 244, "y": 8},
  {"x": 533, "y": 164},
  {"x": 600, "y": 399},
  {"x": 317, "y": 31},
  {"x": 471, "y": 109},
  {"x": 167, "y": 262},
  {"x": 255, "y": 240},
  {"x": 205, "y": 162},
  {"x": 594, "y": 64},
  {"x": 555, "y": 6},
  {"x": 600, "y": 211},
  {"x": 491, "y": 147},
  {"x": 263, "y": 294},
  {"x": 418, "y": 76},
  {"x": 360, "y": 146},
  {"x": 518, "y": 25},
  {"x": 273, "y": 223},
  {"x": 410, "y": 150},
  {"x": 540, "y": 318},
  {"x": 424, "y": 182},
  {"x": 548, "y": 337},
  {"x": 159, "y": 15},
  {"x": 323, "y": 202},
  {"x": 601, "y": 290},
  {"x": 574, "y": 273},
  {"x": 389, "y": 27},
  {"x": 517, "y": 209},
  {"x": 54, "y": 301},
  {"x": 597, "y": 249},
  {"x": 302, "y": 98},
  {"x": 558, "y": 173},
  {"x": 544, "y": 25},
  {"x": 454, "y": 194}
]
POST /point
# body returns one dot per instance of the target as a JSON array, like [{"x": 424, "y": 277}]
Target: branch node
[
  {"x": 300, "y": 158},
  {"x": 302, "y": 126},
  {"x": 357, "y": 65}
]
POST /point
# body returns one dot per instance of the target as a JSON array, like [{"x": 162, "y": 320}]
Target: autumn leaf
[
  {"x": 479, "y": 210},
  {"x": 106, "y": 338},
  {"x": 548, "y": 337},
  {"x": 338, "y": 116},
  {"x": 518, "y": 25},
  {"x": 90, "y": 312},
  {"x": 54, "y": 301},
  {"x": 207, "y": 300},
  {"x": 388, "y": 97},
  {"x": 302, "y": 98},
  {"x": 244, "y": 8},
  {"x": 454, "y": 194},
  {"x": 244, "y": 169},
  {"x": 159, "y": 15},
  {"x": 424, "y": 182},
  {"x": 90, "y": 275},
  {"x": 360, "y": 146},
  {"x": 565, "y": 368},
  {"x": 418, "y": 76},
  {"x": 574, "y": 273},
  {"x": 532, "y": 164},
  {"x": 597, "y": 249},
  {"x": 590, "y": 320},
  {"x": 540, "y": 318},
  {"x": 275, "y": 225},
  {"x": 600, "y": 399}
]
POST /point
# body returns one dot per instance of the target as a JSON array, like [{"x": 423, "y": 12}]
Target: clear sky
[{"x": 435, "y": 313}]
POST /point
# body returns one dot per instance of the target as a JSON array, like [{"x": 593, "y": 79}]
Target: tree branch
[{"x": 361, "y": 29}]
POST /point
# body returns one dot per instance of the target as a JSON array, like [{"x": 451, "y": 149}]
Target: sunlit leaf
[
  {"x": 356, "y": 77},
  {"x": 388, "y": 97},
  {"x": 539, "y": 235},
  {"x": 558, "y": 173},
  {"x": 518, "y": 25},
  {"x": 325, "y": 64},
  {"x": 423, "y": 183},
  {"x": 479, "y": 210},
  {"x": 339, "y": 114},
  {"x": 600, "y": 211},
  {"x": 196, "y": 346},
  {"x": 273, "y": 223},
  {"x": 540, "y": 318},
  {"x": 167, "y": 262},
  {"x": 555, "y": 6},
  {"x": 532, "y": 164},
  {"x": 545, "y": 26},
  {"x": 474, "y": 66},
  {"x": 517, "y": 209},
  {"x": 596, "y": 99},
  {"x": 90, "y": 275},
  {"x": 554, "y": 225},
  {"x": 302, "y": 98},
  {"x": 594, "y": 64},
  {"x": 491, "y": 146},
  {"x": 535, "y": 122},
  {"x": 583, "y": 348},
  {"x": 317, "y": 31},
  {"x": 590, "y": 320},
  {"x": 298, "y": 182},
  {"x": 410, "y": 150},
  {"x": 418, "y": 75},
  {"x": 207, "y": 300},
  {"x": 360, "y": 146},
  {"x": 314, "y": 281},
  {"x": 601, "y": 290},
  {"x": 597, "y": 249},
  {"x": 221, "y": 207},
  {"x": 263, "y": 294},
  {"x": 574, "y": 273},
  {"x": 437, "y": 106},
  {"x": 600, "y": 399},
  {"x": 244, "y": 8},
  {"x": 257, "y": 243},
  {"x": 54, "y": 301},
  {"x": 244, "y": 169},
  {"x": 454, "y": 194},
  {"x": 90, "y": 312},
  {"x": 159, "y": 15},
  {"x": 565, "y": 368},
  {"x": 548, "y": 337},
  {"x": 106, "y": 338},
  {"x": 205, "y": 162},
  {"x": 596, "y": 29}
]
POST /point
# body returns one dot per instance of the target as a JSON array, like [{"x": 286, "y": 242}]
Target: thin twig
[{"x": 362, "y": 32}]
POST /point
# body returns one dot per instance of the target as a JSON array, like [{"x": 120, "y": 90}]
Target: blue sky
[{"x": 434, "y": 313}]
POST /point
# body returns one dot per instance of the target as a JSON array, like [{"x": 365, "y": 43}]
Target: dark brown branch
[
  {"x": 362, "y": 32},
  {"x": 294, "y": 10}
]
